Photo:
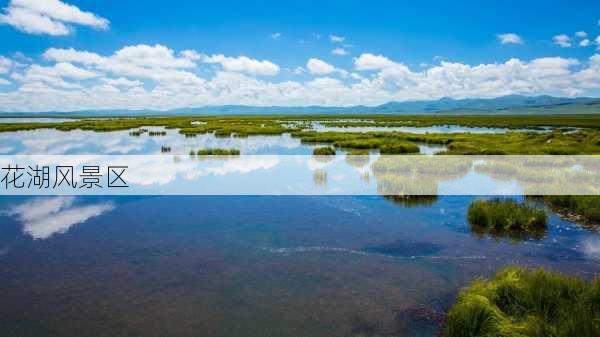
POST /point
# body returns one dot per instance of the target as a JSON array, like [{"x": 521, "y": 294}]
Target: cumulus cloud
[
  {"x": 51, "y": 17},
  {"x": 121, "y": 82},
  {"x": 156, "y": 77},
  {"x": 336, "y": 38},
  {"x": 581, "y": 34},
  {"x": 157, "y": 63},
  {"x": 584, "y": 43},
  {"x": 509, "y": 38},
  {"x": 369, "y": 61},
  {"x": 275, "y": 36},
  {"x": 5, "y": 64},
  {"x": 339, "y": 51},
  {"x": 4, "y": 81},
  {"x": 562, "y": 40},
  {"x": 319, "y": 67},
  {"x": 244, "y": 64},
  {"x": 43, "y": 217}
]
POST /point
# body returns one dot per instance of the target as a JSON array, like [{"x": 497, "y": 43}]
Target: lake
[
  {"x": 252, "y": 266},
  {"x": 248, "y": 265}
]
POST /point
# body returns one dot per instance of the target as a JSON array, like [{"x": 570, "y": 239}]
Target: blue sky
[{"x": 385, "y": 50}]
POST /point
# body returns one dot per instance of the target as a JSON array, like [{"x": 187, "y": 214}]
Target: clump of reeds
[{"x": 526, "y": 303}]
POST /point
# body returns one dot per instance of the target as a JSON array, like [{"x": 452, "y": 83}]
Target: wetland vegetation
[
  {"x": 526, "y": 303},
  {"x": 585, "y": 208},
  {"x": 324, "y": 151},
  {"x": 218, "y": 152},
  {"x": 506, "y": 217},
  {"x": 568, "y": 134}
]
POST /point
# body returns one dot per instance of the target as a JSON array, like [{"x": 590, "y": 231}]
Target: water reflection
[
  {"x": 395, "y": 175},
  {"x": 43, "y": 217},
  {"x": 421, "y": 129},
  {"x": 49, "y": 141},
  {"x": 349, "y": 265}
]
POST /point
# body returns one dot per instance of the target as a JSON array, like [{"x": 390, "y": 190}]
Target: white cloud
[
  {"x": 4, "y": 81},
  {"x": 508, "y": 38},
  {"x": 244, "y": 64},
  {"x": 339, "y": 51},
  {"x": 136, "y": 77},
  {"x": 64, "y": 69},
  {"x": 43, "y": 217},
  {"x": 581, "y": 34},
  {"x": 275, "y": 36},
  {"x": 5, "y": 64},
  {"x": 157, "y": 63},
  {"x": 298, "y": 70},
  {"x": 191, "y": 55},
  {"x": 319, "y": 67},
  {"x": 52, "y": 17},
  {"x": 121, "y": 82},
  {"x": 598, "y": 41},
  {"x": 372, "y": 62},
  {"x": 584, "y": 43},
  {"x": 562, "y": 40},
  {"x": 336, "y": 38}
]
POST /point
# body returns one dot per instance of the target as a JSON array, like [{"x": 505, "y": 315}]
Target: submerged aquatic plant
[
  {"x": 502, "y": 217},
  {"x": 526, "y": 303}
]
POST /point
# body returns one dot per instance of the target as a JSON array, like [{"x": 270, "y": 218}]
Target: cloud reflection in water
[{"x": 45, "y": 216}]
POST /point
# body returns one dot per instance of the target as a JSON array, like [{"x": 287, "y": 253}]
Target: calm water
[
  {"x": 33, "y": 120},
  {"x": 48, "y": 141},
  {"x": 246, "y": 266},
  {"x": 251, "y": 266},
  {"x": 423, "y": 129}
]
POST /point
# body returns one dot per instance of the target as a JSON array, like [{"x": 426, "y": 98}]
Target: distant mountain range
[{"x": 512, "y": 104}]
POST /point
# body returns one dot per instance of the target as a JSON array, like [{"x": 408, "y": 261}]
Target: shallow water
[
  {"x": 33, "y": 120},
  {"x": 49, "y": 141},
  {"x": 423, "y": 129},
  {"x": 252, "y": 266},
  {"x": 77, "y": 142}
]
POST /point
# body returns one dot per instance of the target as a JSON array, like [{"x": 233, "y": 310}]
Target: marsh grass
[
  {"x": 324, "y": 151},
  {"x": 585, "y": 141},
  {"x": 506, "y": 214},
  {"x": 535, "y": 303},
  {"x": 218, "y": 152},
  {"x": 581, "y": 207}
]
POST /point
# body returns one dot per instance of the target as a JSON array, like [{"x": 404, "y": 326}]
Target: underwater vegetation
[
  {"x": 526, "y": 303},
  {"x": 506, "y": 217}
]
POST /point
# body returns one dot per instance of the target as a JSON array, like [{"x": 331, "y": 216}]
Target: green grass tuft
[
  {"x": 218, "y": 152},
  {"x": 526, "y": 303},
  {"x": 324, "y": 151},
  {"x": 506, "y": 214}
]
